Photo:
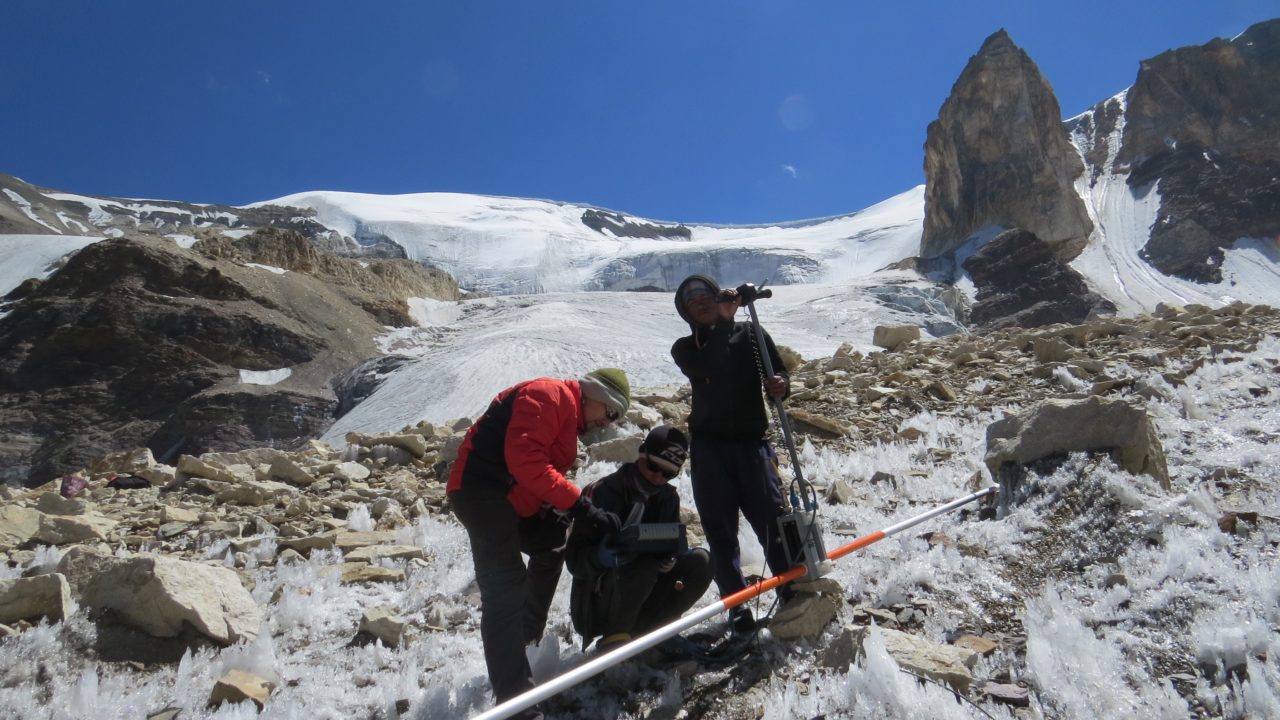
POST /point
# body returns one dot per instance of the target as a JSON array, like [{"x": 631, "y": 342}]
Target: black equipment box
[{"x": 651, "y": 539}]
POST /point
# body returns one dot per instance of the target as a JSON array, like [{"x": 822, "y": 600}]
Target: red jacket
[{"x": 538, "y": 444}]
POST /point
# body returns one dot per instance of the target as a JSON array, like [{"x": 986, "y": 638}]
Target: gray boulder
[{"x": 1055, "y": 427}]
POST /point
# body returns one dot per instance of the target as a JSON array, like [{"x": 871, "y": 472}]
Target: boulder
[
  {"x": 158, "y": 475},
  {"x": 618, "y": 450},
  {"x": 373, "y": 553},
  {"x": 286, "y": 470},
  {"x": 159, "y": 594},
  {"x": 173, "y": 514},
  {"x": 127, "y": 462},
  {"x": 54, "y": 504},
  {"x": 413, "y": 443},
  {"x": 809, "y": 611},
  {"x": 191, "y": 466},
  {"x": 1060, "y": 426},
  {"x": 17, "y": 525},
  {"x": 823, "y": 425},
  {"x": 307, "y": 543},
  {"x": 892, "y": 337},
  {"x": 32, "y": 598},
  {"x": 80, "y": 563},
  {"x": 350, "y": 471},
  {"x": 383, "y": 624},
  {"x": 237, "y": 686},
  {"x": 64, "y": 529},
  {"x": 348, "y": 541},
  {"x": 254, "y": 492},
  {"x": 358, "y": 573},
  {"x": 643, "y": 416}
]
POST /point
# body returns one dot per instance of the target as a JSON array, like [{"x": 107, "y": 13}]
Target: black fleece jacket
[{"x": 617, "y": 493}]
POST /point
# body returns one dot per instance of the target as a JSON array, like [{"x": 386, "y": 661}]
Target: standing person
[
  {"x": 619, "y": 594},
  {"x": 733, "y": 467},
  {"x": 508, "y": 490}
]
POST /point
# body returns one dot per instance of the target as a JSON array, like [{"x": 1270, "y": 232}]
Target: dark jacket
[
  {"x": 726, "y": 374},
  {"x": 616, "y": 493}
]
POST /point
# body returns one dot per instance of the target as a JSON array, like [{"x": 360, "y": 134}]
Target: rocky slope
[
  {"x": 238, "y": 543},
  {"x": 137, "y": 341}
]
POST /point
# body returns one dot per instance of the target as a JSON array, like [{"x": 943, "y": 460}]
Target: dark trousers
[
  {"x": 514, "y": 599},
  {"x": 728, "y": 475},
  {"x": 637, "y": 598}
]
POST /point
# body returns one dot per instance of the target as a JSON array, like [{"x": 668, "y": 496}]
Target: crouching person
[{"x": 620, "y": 590}]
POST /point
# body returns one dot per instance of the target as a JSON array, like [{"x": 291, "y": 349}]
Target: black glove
[{"x": 597, "y": 523}]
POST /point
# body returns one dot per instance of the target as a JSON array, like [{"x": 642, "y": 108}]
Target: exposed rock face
[
  {"x": 138, "y": 342},
  {"x": 1203, "y": 122},
  {"x": 621, "y": 226},
  {"x": 998, "y": 155},
  {"x": 28, "y": 209},
  {"x": 1021, "y": 283}
]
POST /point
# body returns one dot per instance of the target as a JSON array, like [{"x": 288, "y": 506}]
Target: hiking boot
[{"x": 743, "y": 621}]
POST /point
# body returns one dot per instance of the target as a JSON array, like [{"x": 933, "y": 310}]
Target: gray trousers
[{"x": 515, "y": 599}]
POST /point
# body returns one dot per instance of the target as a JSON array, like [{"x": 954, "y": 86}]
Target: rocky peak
[
  {"x": 1202, "y": 122},
  {"x": 998, "y": 155},
  {"x": 1221, "y": 95}
]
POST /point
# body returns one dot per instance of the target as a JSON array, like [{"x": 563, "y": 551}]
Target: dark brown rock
[
  {"x": 1202, "y": 121},
  {"x": 1020, "y": 283}
]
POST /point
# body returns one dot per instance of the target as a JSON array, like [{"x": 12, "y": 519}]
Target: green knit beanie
[{"x": 609, "y": 386}]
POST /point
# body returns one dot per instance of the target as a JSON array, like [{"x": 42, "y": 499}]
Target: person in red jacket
[{"x": 509, "y": 491}]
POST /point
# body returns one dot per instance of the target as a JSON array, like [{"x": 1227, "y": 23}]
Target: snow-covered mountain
[
  {"x": 829, "y": 273},
  {"x": 512, "y": 245}
]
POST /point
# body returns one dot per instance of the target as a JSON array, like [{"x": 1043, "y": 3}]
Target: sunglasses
[
  {"x": 695, "y": 293},
  {"x": 665, "y": 473},
  {"x": 610, "y": 414}
]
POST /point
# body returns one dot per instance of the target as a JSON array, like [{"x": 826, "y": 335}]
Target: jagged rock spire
[{"x": 998, "y": 155}]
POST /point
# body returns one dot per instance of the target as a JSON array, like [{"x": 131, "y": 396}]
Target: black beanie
[
  {"x": 666, "y": 447},
  {"x": 690, "y": 282}
]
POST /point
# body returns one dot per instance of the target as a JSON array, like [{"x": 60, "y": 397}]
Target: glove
[
  {"x": 597, "y": 522},
  {"x": 666, "y": 565}
]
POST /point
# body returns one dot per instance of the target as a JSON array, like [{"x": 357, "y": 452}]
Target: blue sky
[{"x": 717, "y": 111}]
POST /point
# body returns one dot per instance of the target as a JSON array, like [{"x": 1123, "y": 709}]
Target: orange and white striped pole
[{"x": 572, "y": 677}]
